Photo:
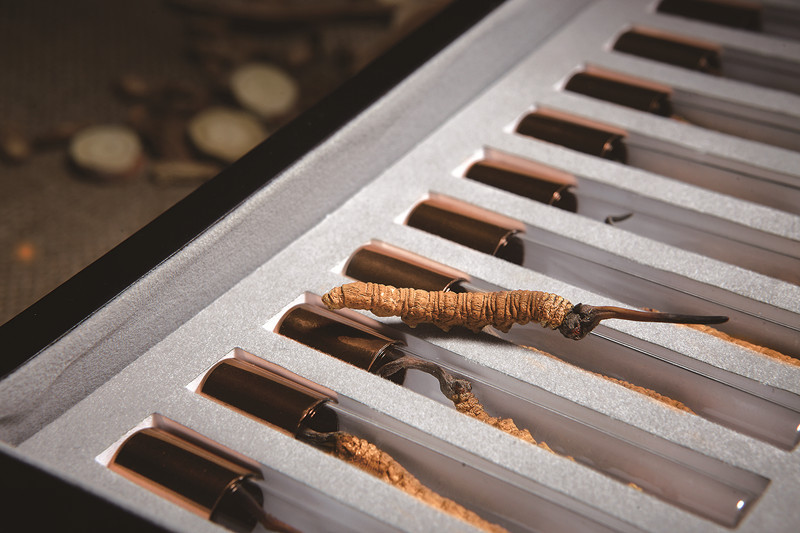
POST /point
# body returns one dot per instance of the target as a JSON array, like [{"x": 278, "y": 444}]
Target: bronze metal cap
[
  {"x": 586, "y": 139},
  {"x": 736, "y": 14},
  {"x": 182, "y": 472},
  {"x": 474, "y": 233},
  {"x": 619, "y": 92},
  {"x": 268, "y": 397},
  {"x": 369, "y": 265},
  {"x": 533, "y": 187},
  {"x": 673, "y": 52},
  {"x": 316, "y": 329}
]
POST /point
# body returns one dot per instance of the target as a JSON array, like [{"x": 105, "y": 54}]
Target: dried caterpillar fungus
[
  {"x": 447, "y": 309},
  {"x": 459, "y": 391},
  {"x": 375, "y": 461},
  {"x": 466, "y": 402},
  {"x": 502, "y": 309}
]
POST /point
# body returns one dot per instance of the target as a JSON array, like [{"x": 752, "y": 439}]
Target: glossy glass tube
[
  {"x": 772, "y": 19},
  {"x": 668, "y": 223},
  {"x": 218, "y": 485},
  {"x": 731, "y": 400},
  {"x": 734, "y": 118},
  {"x": 680, "y": 476},
  {"x": 496, "y": 494},
  {"x": 734, "y": 178},
  {"x": 595, "y": 269},
  {"x": 735, "y": 63}
]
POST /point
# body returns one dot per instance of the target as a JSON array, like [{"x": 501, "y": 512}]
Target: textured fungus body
[
  {"x": 372, "y": 459},
  {"x": 447, "y": 309},
  {"x": 502, "y": 309}
]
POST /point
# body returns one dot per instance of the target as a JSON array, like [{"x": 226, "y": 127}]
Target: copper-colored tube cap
[
  {"x": 735, "y": 14},
  {"x": 533, "y": 187},
  {"x": 191, "y": 476},
  {"x": 372, "y": 266},
  {"x": 472, "y": 232},
  {"x": 313, "y": 327},
  {"x": 669, "y": 51},
  {"x": 269, "y": 397},
  {"x": 597, "y": 142},
  {"x": 625, "y": 94}
]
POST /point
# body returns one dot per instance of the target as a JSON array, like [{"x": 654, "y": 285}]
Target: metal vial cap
[
  {"x": 370, "y": 265},
  {"x": 269, "y": 397},
  {"x": 316, "y": 329},
  {"x": 527, "y": 185},
  {"x": 586, "y": 139},
  {"x": 191, "y": 476},
  {"x": 471, "y": 232}
]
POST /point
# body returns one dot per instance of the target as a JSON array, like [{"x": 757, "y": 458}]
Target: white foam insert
[{"x": 134, "y": 358}]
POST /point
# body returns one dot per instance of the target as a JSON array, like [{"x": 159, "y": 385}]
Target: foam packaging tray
[{"x": 135, "y": 356}]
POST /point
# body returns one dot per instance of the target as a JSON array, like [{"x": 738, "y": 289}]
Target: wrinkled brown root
[{"x": 370, "y": 458}]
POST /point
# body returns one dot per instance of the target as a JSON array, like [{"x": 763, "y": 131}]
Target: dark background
[{"x": 61, "y": 67}]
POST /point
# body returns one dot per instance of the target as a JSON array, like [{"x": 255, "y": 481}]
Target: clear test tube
[
  {"x": 219, "y": 488},
  {"x": 747, "y": 121},
  {"x": 294, "y": 405},
  {"x": 680, "y": 476},
  {"x": 606, "y": 273},
  {"x": 779, "y": 190},
  {"x": 223, "y": 486},
  {"x": 767, "y": 18},
  {"x": 728, "y": 399},
  {"x": 732, "y": 62},
  {"x": 697, "y": 232}
]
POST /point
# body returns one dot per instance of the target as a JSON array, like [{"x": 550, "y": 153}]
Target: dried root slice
[
  {"x": 264, "y": 89},
  {"x": 110, "y": 152},
  {"x": 380, "y": 464},
  {"x": 224, "y": 133}
]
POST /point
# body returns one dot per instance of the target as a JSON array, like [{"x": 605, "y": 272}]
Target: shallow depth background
[{"x": 61, "y": 67}]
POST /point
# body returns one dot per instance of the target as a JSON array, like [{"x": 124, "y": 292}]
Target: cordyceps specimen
[
  {"x": 502, "y": 309},
  {"x": 287, "y": 402},
  {"x": 375, "y": 461},
  {"x": 458, "y": 391}
]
